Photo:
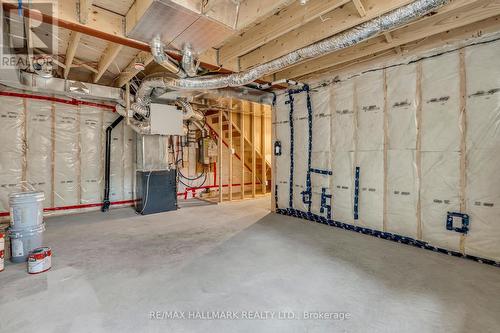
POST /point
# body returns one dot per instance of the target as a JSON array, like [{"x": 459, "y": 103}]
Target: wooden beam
[
  {"x": 244, "y": 108},
  {"x": 254, "y": 147},
  {"x": 130, "y": 71},
  {"x": 456, "y": 37},
  {"x": 70, "y": 51},
  {"x": 317, "y": 29},
  {"x": 388, "y": 37},
  {"x": 254, "y": 12},
  {"x": 231, "y": 148},
  {"x": 219, "y": 157},
  {"x": 80, "y": 63},
  {"x": 84, "y": 8},
  {"x": 360, "y": 8},
  {"x": 263, "y": 146},
  {"x": 275, "y": 26},
  {"x": 465, "y": 12},
  {"x": 107, "y": 59}
]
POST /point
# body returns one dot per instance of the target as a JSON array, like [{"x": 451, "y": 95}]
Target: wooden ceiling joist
[
  {"x": 286, "y": 20},
  {"x": 71, "y": 51},
  {"x": 338, "y": 20},
  {"x": 107, "y": 59},
  {"x": 464, "y": 12},
  {"x": 84, "y": 8},
  {"x": 359, "y": 7},
  {"x": 130, "y": 71},
  {"x": 458, "y": 37}
]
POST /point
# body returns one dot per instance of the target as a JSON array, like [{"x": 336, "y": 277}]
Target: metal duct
[
  {"x": 188, "y": 62},
  {"x": 392, "y": 20},
  {"x": 162, "y": 58},
  {"x": 189, "y": 112}
]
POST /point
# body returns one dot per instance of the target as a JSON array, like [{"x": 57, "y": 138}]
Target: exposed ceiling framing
[{"x": 94, "y": 47}]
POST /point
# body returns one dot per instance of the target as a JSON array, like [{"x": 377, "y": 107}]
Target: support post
[
  {"x": 219, "y": 156},
  {"x": 263, "y": 146},
  {"x": 230, "y": 139},
  {"x": 254, "y": 167},
  {"x": 242, "y": 147}
]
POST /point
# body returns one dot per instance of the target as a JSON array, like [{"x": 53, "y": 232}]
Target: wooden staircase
[{"x": 243, "y": 146}]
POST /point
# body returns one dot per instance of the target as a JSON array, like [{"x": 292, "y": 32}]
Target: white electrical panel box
[{"x": 166, "y": 119}]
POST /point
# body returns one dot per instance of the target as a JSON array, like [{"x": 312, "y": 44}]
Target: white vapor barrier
[
  {"x": 371, "y": 189},
  {"x": 91, "y": 136},
  {"x": 116, "y": 170},
  {"x": 300, "y": 149},
  {"x": 402, "y": 190},
  {"x": 58, "y": 147},
  {"x": 39, "y": 143},
  {"x": 11, "y": 147},
  {"x": 370, "y": 111},
  {"x": 426, "y": 137},
  {"x": 342, "y": 146},
  {"x": 66, "y": 190},
  {"x": 128, "y": 162},
  {"x": 370, "y": 142},
  {"x": 440, "y": 145},
  {"x": 282, "y": 162},
  {"x": 483, "y": 149},
  {"x": 320, "y": 153}
]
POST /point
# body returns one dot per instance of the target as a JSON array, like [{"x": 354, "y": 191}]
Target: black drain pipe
[{"x": 107, "y": 167}]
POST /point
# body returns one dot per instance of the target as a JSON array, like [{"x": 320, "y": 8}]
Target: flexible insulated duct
[
  {"x": 160, "y": 57},
  {"x": 188, "y": 61},
  {"x": 392, "y": 20}
]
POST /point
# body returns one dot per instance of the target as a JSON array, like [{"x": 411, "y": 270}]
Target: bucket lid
[
  {"x": 27, "y": 195},
  {"x": 19, "y": 233}
]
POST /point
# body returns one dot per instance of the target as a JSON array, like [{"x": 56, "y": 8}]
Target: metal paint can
[{"x": 40, "y": 260}]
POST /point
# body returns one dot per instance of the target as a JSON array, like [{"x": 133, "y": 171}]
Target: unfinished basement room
[{"x": 250, "y": 166}]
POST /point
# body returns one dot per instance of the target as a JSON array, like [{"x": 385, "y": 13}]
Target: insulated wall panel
[
  {"x": 402, "y": 107},
  {"x": 402, "y": 192},
  {"x": 116, "y": 172},
  {"x": 282, "y": 162},
  {"x": 440, "y": 137},
  {"x": 441, "y": 103},
  {"x": 91, "y": 152},
  {"x": 371, "y": 189},
  {"x": 39, "y": 144},
  {"x": 427, "y": 145},
  {"x": 342, "y": 186},
  {"x": 370, "y": 111},
  {"x": 66, "y": 190},
  {"x": 300, "y": 149},
  {"x": 343, "y": 117},
  {"x": 369, "y": 156},
  {"x": 401, "y": 168},
  {"x": 11, "y": 148},
  {"x": 342, "y": 156},
  {"x": 320, "y": 157},
  {"x": 483, "y": 149},
  {"x": 128, "y": 163}
]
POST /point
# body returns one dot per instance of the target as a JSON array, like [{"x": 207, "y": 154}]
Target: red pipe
[
  {"x": 57, "y": 100},
  {"x": 51, "y": 209}
]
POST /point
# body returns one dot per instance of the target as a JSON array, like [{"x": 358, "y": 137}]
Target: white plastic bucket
[
  {"x": 23, "y": 241},
  {"x": 26, "y": 209}
]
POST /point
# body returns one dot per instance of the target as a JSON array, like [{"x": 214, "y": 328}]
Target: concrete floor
[{"x": 111, "y": 271}]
